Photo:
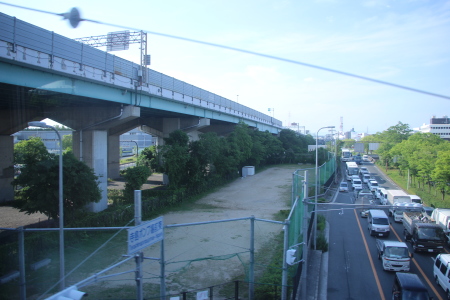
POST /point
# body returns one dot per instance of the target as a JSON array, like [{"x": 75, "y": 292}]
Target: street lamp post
[
  {"x": 316, "y": 184},
  {"x": 61, "y": 207}
]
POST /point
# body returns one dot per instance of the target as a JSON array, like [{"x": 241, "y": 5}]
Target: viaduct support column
[
  {"x": 6, "y": 167},
  {"x": 94, "y": 145},
  {"x": 114, "y": 156}
]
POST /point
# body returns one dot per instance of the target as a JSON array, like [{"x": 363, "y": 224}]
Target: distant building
[
  {"x": 130, "y": 140},
  {"x": 49, "y": 137},
  {"x": 136, "y": 138},
  {"x": 437, "y": 126}
]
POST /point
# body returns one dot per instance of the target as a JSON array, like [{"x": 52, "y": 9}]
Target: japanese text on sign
[{"x": 145, "y": 235}]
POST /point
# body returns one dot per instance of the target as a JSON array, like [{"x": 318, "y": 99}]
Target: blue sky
[{"x": 403, "y": 42}]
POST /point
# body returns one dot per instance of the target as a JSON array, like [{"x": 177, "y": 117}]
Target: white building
[{"x": 437, "y": 126}]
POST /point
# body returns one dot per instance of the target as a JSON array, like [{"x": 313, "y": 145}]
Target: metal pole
[
  {"x": 138, "y": 256},
  {"x": 251, "y": 275},
  {"x": 22, "y": 284},
  {"x": 162, "y": 286},
  {"x": 305, "y": 240},
  {"x": 285, "y": 268},
  {"x": 315, "y": 196},
  {"x": 315, "y": 188},
  {"x": 61, "y": 215}
]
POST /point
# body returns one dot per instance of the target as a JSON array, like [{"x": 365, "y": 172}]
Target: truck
[
  {"x": 394, "y": 255},
  {"x": 423, "y": 234},
  {"x": 346, "y": 155},
  {"x": 400, "y": 207},
  {"x": 396, "y": 196},
  {"x": 442, "y": 217}
]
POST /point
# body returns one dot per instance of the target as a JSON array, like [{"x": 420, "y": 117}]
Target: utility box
[{"x": 248, "y": 171}]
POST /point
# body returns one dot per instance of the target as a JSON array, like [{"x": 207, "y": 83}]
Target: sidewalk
[
  {"x": 317, "y": 269},
  {"x": 317, "y": 278}
]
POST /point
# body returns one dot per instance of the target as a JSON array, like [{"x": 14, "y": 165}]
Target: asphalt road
[{"x": 354, "y": 269}]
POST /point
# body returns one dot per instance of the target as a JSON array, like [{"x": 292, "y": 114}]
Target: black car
[{"x": 409, "y": 286}]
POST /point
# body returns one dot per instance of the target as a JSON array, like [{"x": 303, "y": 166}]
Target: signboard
[
  {"x": 359, "y": 147},
  {"x": 119, "y": 40},
  {"x": 203, "y": 295},
  {"x": 144, "y": 235},
  {"x": 374, "y": 146}
]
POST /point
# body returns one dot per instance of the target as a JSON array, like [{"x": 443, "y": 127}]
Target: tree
[
  {"x": 135, "y": 177},
  {"x": 67, "y": 142},
  {"x": 348, "y": 143},
  {"x": 441, "y": 172},
  {"x": 39, "y": 182},
  {"x": 148, "y": 157},
  {"x": 176, "y": 155},
  {"x": 30, "y": 151},
  {"x": 389, "y": 138}
]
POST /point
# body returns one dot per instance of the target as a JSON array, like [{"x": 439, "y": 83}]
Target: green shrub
[
  {"x": 321, "y": 242},
  {"x": 320, "y": 222},
  {"x": 135, "y": 177}
]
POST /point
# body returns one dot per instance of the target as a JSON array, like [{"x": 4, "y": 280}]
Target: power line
[{"x": 67, "y": 16}]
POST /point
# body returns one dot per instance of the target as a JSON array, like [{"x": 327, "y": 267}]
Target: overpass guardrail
[{"x": 22, "y": 42}]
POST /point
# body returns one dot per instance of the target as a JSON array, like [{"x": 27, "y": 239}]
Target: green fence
[{"x": 303, "y": 185}]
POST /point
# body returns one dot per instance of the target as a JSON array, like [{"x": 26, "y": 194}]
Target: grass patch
[{"x": 130, "y": 159}]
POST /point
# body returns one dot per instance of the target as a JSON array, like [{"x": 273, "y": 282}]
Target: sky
[{"x": 401, "y": 42}]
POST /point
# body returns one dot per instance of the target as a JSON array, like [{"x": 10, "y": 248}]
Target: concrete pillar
[
  {"x": 6, "y": 167},
  {"x": 170, "y": 125},
  {"x": 94, "y": 146},
  {"x": 114, "y": 156}
]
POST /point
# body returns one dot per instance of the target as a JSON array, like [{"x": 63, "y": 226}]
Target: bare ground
[{"x": 198, "y": 256}]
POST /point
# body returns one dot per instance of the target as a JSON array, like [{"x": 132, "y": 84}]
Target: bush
[
  {"x": 321, "y": 242},
  {"x": 135, "y": 177}
]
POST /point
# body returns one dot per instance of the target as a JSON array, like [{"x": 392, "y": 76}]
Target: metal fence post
[
  {"x": 140, "y": 255},
  {"x": 285, "y": 248},
  {"x": 251, "y": 275},
  {"x": 162, "y": 287},
  {"x": 22, "y": 284}
]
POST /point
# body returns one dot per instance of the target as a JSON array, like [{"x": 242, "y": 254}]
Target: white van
[
  {"x": 415, "y": 199},
  {"x": 441, "y": 270},
  {"x": 382, "y": 195},
  {"x": 373, "y": 185},
  {"x": 378, "y": 223},
  {"x": 357, "y": 184}
]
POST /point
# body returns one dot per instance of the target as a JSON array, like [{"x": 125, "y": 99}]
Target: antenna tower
[{"x": 342, "y": 125}]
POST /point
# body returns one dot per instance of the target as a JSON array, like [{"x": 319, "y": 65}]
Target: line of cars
[{"x": 395, "y": 255}]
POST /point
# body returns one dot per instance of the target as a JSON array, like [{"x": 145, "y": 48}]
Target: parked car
[{"x": 343, "y": 187}]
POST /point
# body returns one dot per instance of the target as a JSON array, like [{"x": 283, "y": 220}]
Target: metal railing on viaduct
[{"x": 31, "y": 46}]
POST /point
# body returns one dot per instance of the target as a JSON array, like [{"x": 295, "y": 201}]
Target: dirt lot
[{"x": 201, "y": 255}]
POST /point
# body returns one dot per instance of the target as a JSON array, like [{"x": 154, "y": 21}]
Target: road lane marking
[
  {"x": 380, "y": 290},
  {"x": 419, "y": 268}
]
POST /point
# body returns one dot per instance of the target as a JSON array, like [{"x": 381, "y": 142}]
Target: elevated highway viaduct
[{"x": 100, "y": 96}]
